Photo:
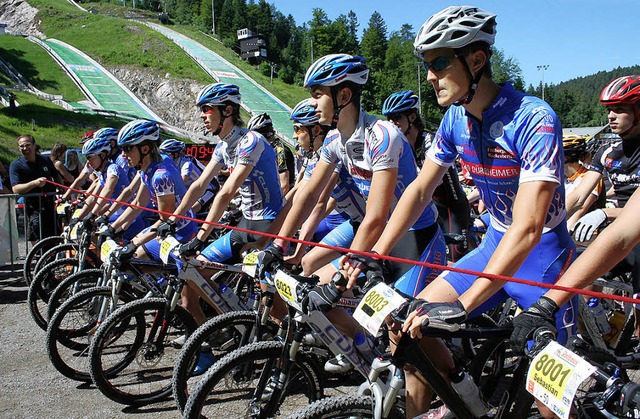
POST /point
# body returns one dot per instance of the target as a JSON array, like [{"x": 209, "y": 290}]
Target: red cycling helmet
[
  {"x": 622, "y": 91},
  {"x": 86, "y": 137}
]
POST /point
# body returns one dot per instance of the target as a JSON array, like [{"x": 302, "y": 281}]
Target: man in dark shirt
[{"x": 29, "y": 174}]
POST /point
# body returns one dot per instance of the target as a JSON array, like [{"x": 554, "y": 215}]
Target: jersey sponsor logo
[
  {"x": 362, "y": 173},
  {"x": 496, "y": 130},
  {"x": 498, "y": 172},
  {"x": 545, "y": 129},
  {"x": 610, "y": 163},
  {"x": 498, "y": 152}
]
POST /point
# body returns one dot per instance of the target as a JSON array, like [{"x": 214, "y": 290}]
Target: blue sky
[{"x": 573, "y": 37}]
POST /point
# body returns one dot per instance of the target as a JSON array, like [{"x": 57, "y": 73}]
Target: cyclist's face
[
  {"x": 210, "y": 115},
  {"x": 400, "y": 120},
  {"x": 620, "y": 118},
  {"x": 301, "y": 135},
  {"x": 446, "y": 74},
  {"x": 321, "y": 100}
]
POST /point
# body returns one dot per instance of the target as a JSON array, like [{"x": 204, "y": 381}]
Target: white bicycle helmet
[{"x": 456, "y": 27}]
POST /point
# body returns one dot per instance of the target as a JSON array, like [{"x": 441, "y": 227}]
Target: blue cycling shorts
[
  {"x": 546, "y": 263},
  {"x": 340, "y": 236}
]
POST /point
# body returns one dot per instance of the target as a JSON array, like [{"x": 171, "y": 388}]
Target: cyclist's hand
[
  {"x": 323, "y": 297},
  {"x": 353, "y": 265},
  {"x": 541, "y": 314},
  {"x": 127, "y": 252},
  {"x": 191, "y": 248},
  {"x": 73, "y": 222},
  {"x": 102, "y": 220},
  {"x": 452, "y": 312},
  {"x": 87, "y": 223},
  {"x": 588, "y": 224},
  {"x": 272, "y": 257},
  {"x": 168, "y": 228}
]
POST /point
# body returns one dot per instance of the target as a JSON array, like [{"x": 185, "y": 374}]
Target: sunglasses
[
  {"x": 207, "y": 109},
  {"x": 127, "y": 148},
  {"x": 298, "y": 129},
  {"x": 437, "y": 64},
  {"x": 395, "y": 117}
]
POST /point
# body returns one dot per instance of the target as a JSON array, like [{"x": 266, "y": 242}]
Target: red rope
[{"x": 389, "y": 258}]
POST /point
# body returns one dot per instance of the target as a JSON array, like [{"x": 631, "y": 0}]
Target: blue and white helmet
[
  {"x": 218, "y": 93},
  {"x": 138, "y": 131},
  {"x": 305, "y": 114},
  {"x": 172, "y": 146},
  {"x": 101, "y": 141},
  {"x": 400, "y": 102},
  {"x": 334, "y": 69}
]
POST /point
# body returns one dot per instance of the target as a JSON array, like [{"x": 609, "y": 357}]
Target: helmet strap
[
  {"x": 222, "y": 118},
  {"x": 473, "y": 81},
  {"x": 338, "y": 108}
]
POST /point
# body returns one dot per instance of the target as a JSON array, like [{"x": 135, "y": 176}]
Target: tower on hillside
[{"x": 252, "y": 47}]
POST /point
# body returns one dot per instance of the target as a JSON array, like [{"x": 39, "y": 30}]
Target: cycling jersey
[
  {"x": 285, "y": 159},
  {"x": 161, "y": 179},
  {"x": 621, "y": 161},
  {"x": 349, "y": 202},
  {"x": 189, "y": 168},
  {"x": 261, "y": 194},
  {"x": 122, "y": 161},
  {"x": 113, "y": 169},
  {"x": 376, "y": 145},
  {"x": 518, "y": 140}
]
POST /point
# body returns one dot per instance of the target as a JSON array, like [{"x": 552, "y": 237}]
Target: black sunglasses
[
  {"x": 438, "y": 64},
  {"x": 127, "y": 148},
  {"x": 395, "y": 117},
  {"x": 207, "y": 108}
]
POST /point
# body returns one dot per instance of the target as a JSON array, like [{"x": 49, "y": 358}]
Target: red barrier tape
[{"x": 390, "y": 258}]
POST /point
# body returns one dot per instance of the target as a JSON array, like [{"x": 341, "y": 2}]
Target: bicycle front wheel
[
  {"x": 343, "y": 407},
  {"x": 35, "y": 253},
  {"x": 131, "y": 356},
  {"x": 239, "y": 384}
]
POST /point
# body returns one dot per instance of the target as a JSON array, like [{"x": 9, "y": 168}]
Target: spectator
[
  {"x": 5, "y": 183},
  {"x": 29, "y": 174},
  {"x": 58, "y": 153}
]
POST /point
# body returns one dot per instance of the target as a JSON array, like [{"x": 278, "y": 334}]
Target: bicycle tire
[
  {"x": 43, "y": 284},
  {"x": 143, "y": 374},
  {"x": 61, "y": 251},
  {"x": 211, "y": 331},
  {"x": 261, "y": 358},
  {"x": 68, "y": 339},
  {"x": 82, "y": 280},
  {"x": 33, "y": 255},
  {"x": 343, "y": 407}
]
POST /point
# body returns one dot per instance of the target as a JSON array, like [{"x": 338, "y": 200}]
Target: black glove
[
  {"x": 167, "y": 228},
  {"x": 73, "y": 222},
  {"x": 323, "y": 297},
  {"x": 102, "y": 220},
  {"x": 374, "y": 268},
  {"x": 127, "y": 252},
  {"x": 452, "y": 313},
  {"x": 108, "y": 233},
  {"x": 191, "y": 248},
  {"x": 272, "y": 257},
  {"x": 87, "y": 222},
  {"x": 541, "y": 314}
]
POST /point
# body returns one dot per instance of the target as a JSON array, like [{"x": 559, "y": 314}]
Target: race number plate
[
  {"x": 167, "y": 247},
  {"x": 250, "y": 264},
  {"x": 107, "y": 247},
  {"x": 62, "y": 208},
  {"x": 376, "y": 306},
  {"x": 555, "y": 375},
  {"x": 286, "y": 287},
  {"x": 73, "y": 235},
  {"x": 76, "y": 213}
]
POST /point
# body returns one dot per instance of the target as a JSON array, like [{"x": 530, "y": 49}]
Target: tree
[
  {"x": 506, "y": 69},
  {"x": 374, "y": 42}
]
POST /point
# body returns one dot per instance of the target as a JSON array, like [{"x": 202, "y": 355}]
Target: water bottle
[
  {"x": 229, "y": 296},
  {"x": 599, "y": 314},
  {"x": 463, "y": 384},
  {"x": 364, "y": 347}
]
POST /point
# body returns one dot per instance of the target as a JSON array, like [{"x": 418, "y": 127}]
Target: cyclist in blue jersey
[
  {"x": 190, "y": 170},
  {"x": 341, "y": 196},
  {"x": 378, "y": 158},
  {"x": 252, "y": 162},
  {"x": 160, "y": 183},
  {"x": 111, "y": 180},
  {"x": 402, "y": 108},
  {"x": 511, "y": 144}
]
